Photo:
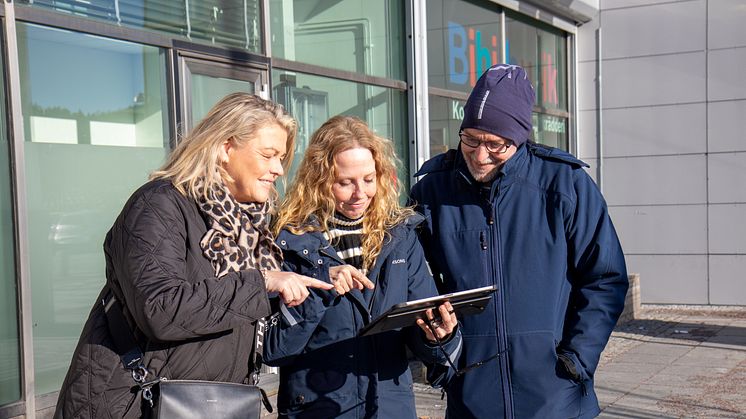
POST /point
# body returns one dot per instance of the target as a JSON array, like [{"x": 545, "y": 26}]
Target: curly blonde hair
[
  {"x": 237, "y": 116},
  {"x": 310, "y": 193}
]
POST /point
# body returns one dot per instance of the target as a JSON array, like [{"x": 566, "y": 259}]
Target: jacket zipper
[{"x": 502, "y": 339}]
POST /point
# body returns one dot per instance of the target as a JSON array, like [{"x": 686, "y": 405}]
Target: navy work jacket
[
  {"x": 325, "y": 370},
  {"x": 541, "y": 232}
]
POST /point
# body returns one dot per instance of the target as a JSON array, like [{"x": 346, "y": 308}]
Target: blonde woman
[
  {"x": 341, "y": 222},
  {"x": 190, "y": 261}
]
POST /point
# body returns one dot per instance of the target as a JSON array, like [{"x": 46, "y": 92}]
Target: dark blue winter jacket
[
  {"x": 325, "y": 370},
  {"x": 541, "y": 232}
]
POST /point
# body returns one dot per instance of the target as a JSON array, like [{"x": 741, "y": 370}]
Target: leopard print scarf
[{"x": 239, "y": 236}]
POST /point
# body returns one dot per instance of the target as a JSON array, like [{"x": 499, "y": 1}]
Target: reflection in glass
[
  {"x": 361, "y": 36},
  {"x": 207, "y": 91},
  {"x": 463, "y": 40},
  {"x": 446, "y": 115},
  {"x": 234, "y": 23},
  {"x": 10, "y": 360},
  {"x": 95, "y": 123},
  {"x": 542, "y": 51},
  {"x": 550, "y": 130},
  {"x": 313, "y": 99}
]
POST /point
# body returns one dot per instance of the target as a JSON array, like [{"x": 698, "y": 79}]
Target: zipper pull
[{"x": 483, "y": 240}]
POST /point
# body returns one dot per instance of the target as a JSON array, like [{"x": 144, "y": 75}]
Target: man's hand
[{"x": 442, "y": 325}]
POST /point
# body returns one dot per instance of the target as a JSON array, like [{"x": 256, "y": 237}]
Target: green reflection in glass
[
  {"x": 313, "y": 99},
  {"x": 10, "y": 361},
  {"x": 542, "y": 51},
  {"x": 550, "y": 130},
  {"x": 361, "y": 36},
  {"x": 95, "y": 123},
  {"x": 234, "y": 23},
  {"x": 207, "y": 91},
  {"x": 446, "y": 115}
]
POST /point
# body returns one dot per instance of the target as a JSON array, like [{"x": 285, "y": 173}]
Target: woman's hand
[
  {"x": 293, "y": 288},
  {"x": 443, "y": 324},
  {"x": 347, "y": 277}
]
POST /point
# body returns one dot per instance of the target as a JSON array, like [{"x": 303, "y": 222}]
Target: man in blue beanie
[{"x": 527, "y": 218}]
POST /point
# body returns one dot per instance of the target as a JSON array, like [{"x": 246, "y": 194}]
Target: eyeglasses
[{"x": 491, "y": 146}]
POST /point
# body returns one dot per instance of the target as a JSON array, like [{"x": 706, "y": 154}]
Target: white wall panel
[
  {"x": 671, "y": 279},
  {"x": 726, "y": 23},
  {"x": 727, "y": 228},
  {"x": 677, "y": 129},
  {"x": 727, "y": 281},
  {"x": 655, "y": 180},
  {"x": 654, "y": 80},
  {"x": 726, "y": 126},
  {"x": 638, "y": 31},
  {"x": 727, "y": 177},
  {"x": 726, "y": 78},
  {"x": 667, "y": 229}
]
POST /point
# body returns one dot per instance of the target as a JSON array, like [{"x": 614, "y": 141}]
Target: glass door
[{"x": 205, "y": 81}]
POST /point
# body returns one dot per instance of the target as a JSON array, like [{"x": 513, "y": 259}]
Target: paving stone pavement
[
  {"x": 676, "y": 362},
  {"x": 670, "y": 362}
]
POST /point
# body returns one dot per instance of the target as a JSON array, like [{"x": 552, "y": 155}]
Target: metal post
[
  {"x": 18, "y": 174},
  {"x": 417, "y": 83}
]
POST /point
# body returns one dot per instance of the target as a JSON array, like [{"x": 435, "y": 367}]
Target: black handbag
[
  {"x": 207, "y": 399},
  {"x": 171, "y": 399}
]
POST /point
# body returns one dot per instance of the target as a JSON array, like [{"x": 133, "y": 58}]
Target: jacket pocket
[{"x": 541, "y": 388}]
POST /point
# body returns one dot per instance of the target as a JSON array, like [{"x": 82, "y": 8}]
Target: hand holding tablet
[{"x": 406, "y": 314}]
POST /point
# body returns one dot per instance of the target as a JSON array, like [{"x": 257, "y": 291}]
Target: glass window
[
  {"x": 446, "y": 115},
  {"x": 542, "y": 51},
  {"x": 10, "y": 361},
  {"x": 313, "y": 99},
  {"x": 95, "y": 120},
  {"x": 361, "y": 36},
  {"x": 234, "y": 23},
  {"x": 463, "y": 40}
]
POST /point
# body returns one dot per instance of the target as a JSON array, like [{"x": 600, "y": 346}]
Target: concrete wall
[{"x": 673, "y": 113}]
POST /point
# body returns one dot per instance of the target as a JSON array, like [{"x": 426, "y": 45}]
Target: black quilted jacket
[{"x": 190, "y": 324}]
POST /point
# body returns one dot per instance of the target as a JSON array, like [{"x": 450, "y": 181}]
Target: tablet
[{"x": 464, "y": 303}]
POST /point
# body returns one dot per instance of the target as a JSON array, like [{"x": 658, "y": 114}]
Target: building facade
[
  {"x": 96, "y": 93},
  {"x": 662, "y": 100}
]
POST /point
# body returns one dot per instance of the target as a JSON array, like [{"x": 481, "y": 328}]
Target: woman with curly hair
[{"x": 341, "y": 222}]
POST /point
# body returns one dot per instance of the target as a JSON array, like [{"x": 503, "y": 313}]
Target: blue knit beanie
[{"x": 501, "y": 103}]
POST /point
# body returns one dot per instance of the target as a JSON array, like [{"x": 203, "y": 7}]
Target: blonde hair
[
  {"x": 236, "y": 117},
  {"x": 310, "y": 194}
]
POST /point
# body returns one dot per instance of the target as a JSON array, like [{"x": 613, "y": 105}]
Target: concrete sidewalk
[
  {"x": 670, "y": 362},
  {"x": 676, "y": 362}
]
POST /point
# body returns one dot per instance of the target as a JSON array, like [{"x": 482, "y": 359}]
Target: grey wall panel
[
  {"x": 727, "y": 228},
  {"x": 587, "y": 134},
  {"x": 727, "y": 284},
  {"x": 726, "y": 178},
  {"x": 726, "y": 127},
  {"x": 655, "y": 130},
  {"x": 671, "y": 279},
  {"x": 726, "y": 23},
  {"x": 726, "y": 78},
  {"x": 668, "y": 229},
  {"x": 586, "y": 37},
  {"x": 638, "y": 31},
  {"x": 655, "y": 180},
  {"x": 655, "y": 80},
  {"x": 615, "y": 4},
  {"x": 592, "y": 169},
  {"x": 586, "y": 85}
]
